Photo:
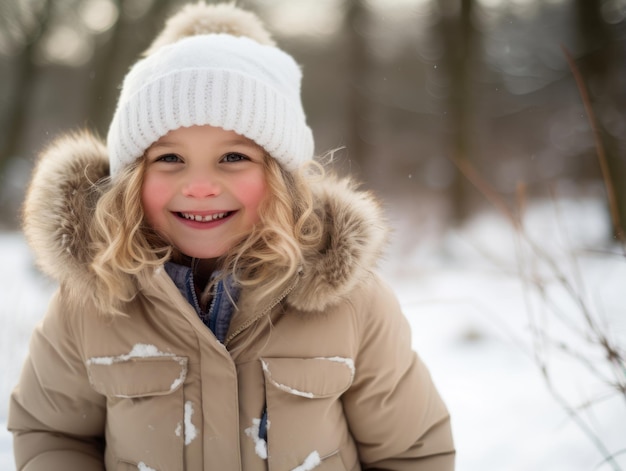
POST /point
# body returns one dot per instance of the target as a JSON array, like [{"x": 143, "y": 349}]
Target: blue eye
[
  {"x": 169, "y": 158},
  {"x": 234, "y": 157}
]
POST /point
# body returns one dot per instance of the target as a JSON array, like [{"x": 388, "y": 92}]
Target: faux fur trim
[
  {"x": 200, "y": 18},
  {"x": 64, "y": 191},
  {"x": 355, "y": 236},
  {"x": 59, "y": 203}
]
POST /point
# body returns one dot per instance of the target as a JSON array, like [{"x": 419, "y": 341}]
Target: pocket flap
[
  {"x": 137, "y": 377},
  {"x": 309, "y": 377}
]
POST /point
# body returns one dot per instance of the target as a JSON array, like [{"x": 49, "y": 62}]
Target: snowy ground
[{"x": 472, "y": 320}]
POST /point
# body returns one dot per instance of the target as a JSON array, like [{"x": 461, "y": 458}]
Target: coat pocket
[
  {"x": 145, "y": 410},
  {"x": 137, "y": 377},
  {"x": 305, "y": 413},
  {"x": 309, "y": 377}
]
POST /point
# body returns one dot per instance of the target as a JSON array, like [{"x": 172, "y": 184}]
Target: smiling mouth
[{"x": 205, "y": 218}]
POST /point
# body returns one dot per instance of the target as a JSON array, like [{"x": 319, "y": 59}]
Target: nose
[{"x": 201, "y": 186}]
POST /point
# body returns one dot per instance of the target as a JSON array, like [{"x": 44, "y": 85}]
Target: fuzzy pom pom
[{"x": 200, "y": 18}]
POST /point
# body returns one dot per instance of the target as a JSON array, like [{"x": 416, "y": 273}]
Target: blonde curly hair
[{"x": 264, "y": 260}]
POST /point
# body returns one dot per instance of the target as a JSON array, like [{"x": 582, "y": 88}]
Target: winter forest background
[{"x": 495, "y": 133}]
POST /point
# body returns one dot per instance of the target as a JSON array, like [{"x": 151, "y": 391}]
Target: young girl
[{"x": 218, "y": 308}]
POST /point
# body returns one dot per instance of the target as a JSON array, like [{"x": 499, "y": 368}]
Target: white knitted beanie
[{"x": 214, "y": 76}]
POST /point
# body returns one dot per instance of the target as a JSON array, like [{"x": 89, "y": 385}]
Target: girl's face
[{"x": 202, "y": 189}]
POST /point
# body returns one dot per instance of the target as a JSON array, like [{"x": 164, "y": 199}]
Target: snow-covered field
[{"x": 473, "y": 320}]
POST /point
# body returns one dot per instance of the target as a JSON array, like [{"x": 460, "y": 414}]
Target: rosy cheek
[
  {"x": 153, "y": 198},
  {"x": 256, "y": 190}
]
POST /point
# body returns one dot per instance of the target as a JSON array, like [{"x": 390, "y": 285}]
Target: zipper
[
  {"x": 265, "y": 311},
  {"x": 191, "y": 286}
]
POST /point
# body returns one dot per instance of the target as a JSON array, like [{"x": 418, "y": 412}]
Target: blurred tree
[
  {"x": 22, "y": 74},
  {"x": 359, "y": 68},
  {"x": 460, "y": 40},
  {"x": 601, "y": 57},
  {"x": 128, "y": 37},
  {"x": 105, "y": 66}
]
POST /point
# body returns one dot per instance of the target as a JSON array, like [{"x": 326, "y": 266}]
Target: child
[{"x": 217, "y": 307}]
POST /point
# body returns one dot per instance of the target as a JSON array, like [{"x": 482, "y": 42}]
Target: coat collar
[{"x": 64, "y": 190}]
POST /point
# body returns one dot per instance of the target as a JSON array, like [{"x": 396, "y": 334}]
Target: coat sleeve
[
  {"x": 395, "y": 413},
  {"x": 56, "y": 418}
]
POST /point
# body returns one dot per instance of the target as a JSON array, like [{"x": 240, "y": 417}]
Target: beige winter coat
[{"x": 330, "y": 357}]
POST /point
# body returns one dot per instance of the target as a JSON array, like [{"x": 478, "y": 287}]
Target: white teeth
[{"x": 207, "y": 218}]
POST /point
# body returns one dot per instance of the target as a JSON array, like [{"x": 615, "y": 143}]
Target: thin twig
[
  {"x": 611, "y": 457},
  {"x": 573, "y": 414},
  {"x": 600, "y": 150},
  {"x": 488, "y": 192}
]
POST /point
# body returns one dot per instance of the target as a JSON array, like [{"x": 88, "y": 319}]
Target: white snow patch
[
  {"x": 140, "y": 350},
  {"x": 178, "y": 381},
  {"x": 349, "y": 362},
  {"x": 179, "y": 429},
  {"x": 312, "y": 461},
  {"x": 260, "y": 445},
  {"x": 284, "y": 387},
  {"x": 293, "y": 391},
  {"x": 144, "y": 467},
  {"x": 190, "y": 428}
]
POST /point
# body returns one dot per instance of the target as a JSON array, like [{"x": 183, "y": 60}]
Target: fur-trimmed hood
[{"x": 64, "y": 191}]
